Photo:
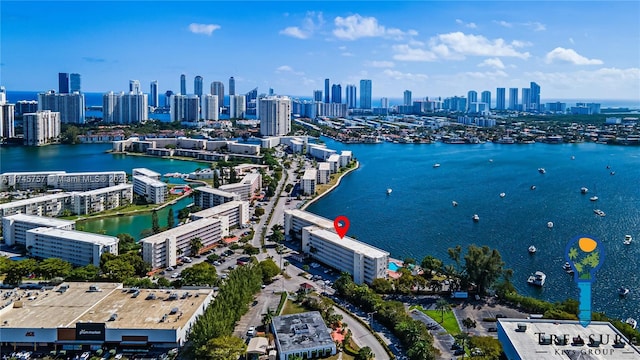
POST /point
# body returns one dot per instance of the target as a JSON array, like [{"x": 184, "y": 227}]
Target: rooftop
[
  {"x": 150, "y": 181},
  {"x": 212, "y": 211},
  {"x": 311, "y": 218},
  {"x": 35, "y": 199},
  {"x": 41, "y": 220},
  {"x": 180, "y": 230},
  {"x": 301, "y": 331},
  {"x": 146, "y": 172},
  {"x": 76, "y": 235},
  {"x": 347, "y": 242},
  {"x": 310, "y": 174},
  {"x": 534, "y": 341},
  {"x": 215, "y": 191},
  {"x": 324, "y": 166},
  {"x": 105, "y": 189}
]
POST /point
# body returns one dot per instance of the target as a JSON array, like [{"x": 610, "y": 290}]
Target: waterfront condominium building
[
  {"x": 121, "y": 108},
  {"x": 513, "y": 99},
  {"x": 63, "y": 83},
  {"x": 210, "y": 108},
  {"x": 472, "y": 97},
  {"x": 7, "y": 121},
  {"x": 485, "y": 97},
  {"x": 162, "y": 249},
  {"x": 237, "y": 212},
  {"x": 75, "y": 83},
  {"x": 526, "y": 99},
  {"x": 535, "y": 96},
  {"x": 336, "y": 93},
  {"x": 217, "y": 88},
  {"x": 275, "y": 115},
  {"x": 249, "y": 185},
  {"x": 384, "y": 103},
  {"x": 70, "y": 106},
  {"x": 206, "y": 197},
  {"x": 183, "y": 84},
  {"x": 295, "y": 220},
  {"x": 351, "y": 96},
  {"x": 237, "y": 106},
  {"x": 15, "y": 227},
  {"x": 320, "y": 152},
  {"x": 317, "y": 95},
  {"x": 185, "y": 108},
  {"x": 501, "y": 103},
  {"x": 47, "y": 205},
  {"x": 103, "y": 199},
  {"x": 309, "y": 181},
  {"x": 153, "y": 190},
  {"x": 154, "y": 100},
  {"x": 41, "y": 128},
  {"x": 76, "y": 247},
  {"x": 232, "y": 86},
  {"x": 197, "y": 85},
  {"x": 85, "y": 181},
  {"x": 407, "y": 98},
  {"x": 327, "y": 97},
  {"x": 134, "y": 86},
  {"x": 365, "y": 94}
]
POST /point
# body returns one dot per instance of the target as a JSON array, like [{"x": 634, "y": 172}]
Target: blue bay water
[{"x": 418, "y": 218}]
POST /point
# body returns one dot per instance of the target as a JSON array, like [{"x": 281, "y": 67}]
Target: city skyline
[{"x": 462, "y": 46}]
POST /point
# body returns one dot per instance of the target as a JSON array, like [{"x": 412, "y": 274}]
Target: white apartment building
[
  {"x": 236, "y": 211},
  {"x": 26, "y": 180},
  {"x": 206, "y": 197},
  {"x": 319, "y": 151},
  {"x": 98, "y": 200},
  {"x": 308, "y": 181},
  {"x": 47, "y": 205},
  {"x": 77, "y": 247},
  {"x": 154, "y": 191},
  {"x": 364, "y": 262},
  {"x": 15, "y": 227},
  {"x": 70, "y": 106},
  {"x": 243, "y": 149},
  {"x": 41, "y": 128},
  {"x": 210, "y": 108},
  {"x": 86, "y": 181},
  {"x": 274, "y": 113},
  {"x": 295, "y": 220},
  {"x": 123, "y": 108},
  {"x": 324, "y": 172},
  {"x": 250, "y": 184},
  {"x": 146, "y": 172},
  {"x": 334, "y": 161},
  {"x": 163, "y": 249},
  {"x": 345, "y": 158}
]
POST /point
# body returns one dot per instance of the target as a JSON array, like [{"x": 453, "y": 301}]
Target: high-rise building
[
  {"x": 210, "y": 109},
  {"x": 407, "y": 98},
  {"x": 237, "y": 106},
  {"x": 513, "y": 98},
  {"x": 41, "y": 128},
  {"x": 75, "y": 83},
  {"x": 7, "y": 121},
  {"x": 183, "y": 84},
  {"x": 131, "y": 108},
  {"x": 197, "y": 85},
  {"x": 326, "y": 91},
  {"x": 63, "y": 83},
  {"x": 485, "y": 97},
  {"x": 70, "y": 106},
  {"x": 317, "y": 95},
  {"x": 472, "y": 97},
  {"x": 3, "y": 95},
  {"x": 365, "y": 94},
  {"x": 167, "y": 98},
  {"x": 217, "y": 88},
  {"x": 275, "y": 115},
  {"x": 535, "y": 96},
  {"x": 232, "y": 87},
  {"x": 134, "y": 86},
  {"x": 185, "y": 108},
  {"x": 351, "y": 95},
  {"x": 526, "y": 99},
  {"x": 336, "y": 94},
  {"x": 384, "y": 103},
  {"x": 500, "y": 99},
  {"x": 154, "y": 100}
]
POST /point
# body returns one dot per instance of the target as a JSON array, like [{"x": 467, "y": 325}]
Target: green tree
[
  {"x": 126, "y": 243},
  {"x": 382, "y": 286},
  {"x": 54, "y": 267},
  {"x": 365, "y": 353},
  {"x": 267, "y": 318},
  {"x": 70, "y": 135},
  {"x": 222, "y": 348},
  {"x": 269, "y": 269},
  {"x": 155, "y": 225},
  {"x": 469, "y": 323},
  {"x": 462, "y": 338},
  {"x": 250, "y": 249},
  {"x": 85, "y": 273},
  {"x": 134, "y": 258},
  {"x": 233, "y": 176},
  {"x": 164, "y": 282},
  {"x": 443, "y": 306},
  {"x": 118, "y": 270},
  {"x": 490, "y": 346},
  {"x": 483, "y": 266},
  {"x": 216, "y": 179},
  {"x": 18, "y": 270},
  {"x": 259, "y": 211},
  {"x": 431, "y": 265},
  {"x": 201, "y": 274},
  {"x": 196, "y": 245},
  {"x": 171, "y": 222}
]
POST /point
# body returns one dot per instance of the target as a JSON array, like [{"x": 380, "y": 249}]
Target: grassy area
[
  {"x": 450, "y": 323},
  {"x": 292, "y": 308}
]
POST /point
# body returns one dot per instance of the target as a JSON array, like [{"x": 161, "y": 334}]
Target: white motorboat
[
  {"x": 454, "y": 203},
  {"x": 537, "y": 279},
  {"x": 627, "y": 240},
  {"x": 550, "y": 224},
  {"x": 632, "y": 322},
  {"x": 542, "y": 170},
  {"x": 593, "y": 198},
  {"x": 389, "y": 190},
  {"x": 475, "y": 217},
  {"x": 533, "y": 187},
  {"x": 567, "y": 268},
  {"x": 623, "y": 291},
  {"x": 436, "y": 165},
  {"x": 584, "y": 190},
  {"x": 599, "y": 212},
  {"x": 532, "y": 249},
  {"x": 502, "y": 194}
]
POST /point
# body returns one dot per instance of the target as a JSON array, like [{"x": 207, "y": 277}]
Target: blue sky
[{"x": 587, "y": 50}]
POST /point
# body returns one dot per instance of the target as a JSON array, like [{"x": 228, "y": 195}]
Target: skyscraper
[
  {"x": 63, "y": 83},
  {"x": 217, "y": 88},
  {"x": 317, "y": 95},
  {"x": 134, "y": 86},
  {"x": 232, "y": 86},
  {"x": 185, "y": 108},
  {"x": 513, "y": 98},
  {"x": 326, "y": 91},
  {"x": 365, "y": 94},
  {"x": 526, "y": 99},
  {"x": 275, "y": 115},
  {"x": 167, "y": 98},
  {"x": 131, "y": 108},
  {"x": 210, "y": 109},
  {"x": 41, "y": 128},
  {"x": 351, "y": 96},
  {"x": 485, "y": 97},
  {"x": 70, "y": 106},
  {"x": 535, "y": 96},
  {"x": 237, "y": 106},
  {"x": 7, "y": 116},
  {"x": 336, "y": 94},
  {"x": 472, "y": 97},
  {"x": 74, "y": 83},
  {"x": 154, "y": 100},
  {"x": 183, "y": 84},
  {"x": 384, "y": 103},
  {"x": 197, "y": 86},
  {"x": 407, "y": 97},
  {"x": 500, "y": 99}
]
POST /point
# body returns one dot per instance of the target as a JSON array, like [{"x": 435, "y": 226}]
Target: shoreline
[{"x": 304, "y": 207}]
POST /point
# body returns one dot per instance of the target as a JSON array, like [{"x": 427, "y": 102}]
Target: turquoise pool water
[{"x": 393, "y": 266}]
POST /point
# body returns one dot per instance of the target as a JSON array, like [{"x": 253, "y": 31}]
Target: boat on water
[
  {"x": 594, "y": 198},
  {"x": 567, "y": 268},
  {"x": 599, "y": 212},
  {"x": 573, "y": 157},
  {"x": 627, "y": 240},
  {"x": 389, "y": 190},
  {"x": 475, "y": 217},
  {"x": 632, "y": 322},
  {"x": 532, "y": 249},
  {"x": 533, "y": 187},
  {"x": 542, "y": 170},
  {"x": 436, "y": 165},
  {"x": 454, "y": 203},
  {"x": 623, "y": 291},
  {"x": 584, "y": 190},
  {"x": 537, "y": 279},
  {"x": 550, "y": 224},
  {"x": 502, "y": 194},
  {"x": 612, "y": 173}
]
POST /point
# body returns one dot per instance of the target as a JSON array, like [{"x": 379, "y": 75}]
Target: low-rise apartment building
[
  {"x": 15, "y": 227},
  {"x": 76, "y": 247},
  {"x": 154, "y": 191},
  {"x": 308, "y": 181},
  {"x": 206, "y": 197},
  {"x": 236, "y": 211},
  {"x": 89, "y": 202},
  {"x": 249, "y": 185},
  {"x": 48, "y": 205}
]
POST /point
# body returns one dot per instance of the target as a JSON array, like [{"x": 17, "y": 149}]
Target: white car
[
  {"x": 251, "y": 331},
  {"x": 174, "y": 275}
]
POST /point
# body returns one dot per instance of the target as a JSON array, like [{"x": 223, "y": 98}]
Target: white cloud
[
  {"x": 204, "y": 29},
  {"x": 571, "y": 40},
  {"x": 310, "y": 24},
  {"x": 518, "y": 43},
  {"x": 295, "y": 32},
  {"x": 535, "y": 26},
  {"x": 503, "y": 23},
  {"x": 406, "y": 53},
  {"x": 380, "y": 64},
  {"x": 492, "y": 62},
  {"x": 604, "y": 82},
  {"x": 398, "y": 75},
  {"x": 356, "y": 26},
  {"x": 475, "y": 45},
  {"x": 570, "y": 56},
  {"x": 470, "y": 25},
  {"x": 283, "y": 69},
  {"x": 347, "y": 53},
  {"x": 484, "y": 75}
]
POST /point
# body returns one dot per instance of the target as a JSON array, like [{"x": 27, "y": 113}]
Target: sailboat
[{"x": 389, "y": 190}]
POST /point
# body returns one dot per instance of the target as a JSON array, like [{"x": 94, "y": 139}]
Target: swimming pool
[{"x": 393, "y": 266}]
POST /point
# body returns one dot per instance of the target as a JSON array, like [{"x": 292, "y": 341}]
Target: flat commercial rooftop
[
  {"x": 531, "y": 344},
  {"x": 347, "y": 242},
  {"x": 301, "y": 331},
  {"x": 51, "y": 309}
]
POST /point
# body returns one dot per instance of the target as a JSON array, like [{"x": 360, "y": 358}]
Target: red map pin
[{"x": 341, "y": 224}]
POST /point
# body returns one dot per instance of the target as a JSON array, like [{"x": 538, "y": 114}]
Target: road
[{"x": 362, "y": 336}]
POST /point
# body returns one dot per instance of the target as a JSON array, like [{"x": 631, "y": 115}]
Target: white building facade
[
  {"x": 76, "y": 247},
  {"x": 154, "y": 191},
  {"x": 15, "y": 227},
  {"x": 275, "y": 115},
  {"x": 236, "y": 211},
  {"x": 206, "y": 197},
  {"x": 41, "y": 128}
]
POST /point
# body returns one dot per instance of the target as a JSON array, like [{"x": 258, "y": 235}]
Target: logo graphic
[{"x": 585, "y": 255}]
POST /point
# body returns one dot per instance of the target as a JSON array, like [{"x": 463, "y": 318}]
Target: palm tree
[
  {"x": 267, "y": 318},
  {"x": 196, "y": 245},
  {"x": 469, "y": 323},
  {"x": 463, "y": 337},
  {"x": 365, "y": 353},
  {"x": 442, "y": 305}
]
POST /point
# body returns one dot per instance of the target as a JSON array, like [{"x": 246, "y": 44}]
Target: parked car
[{"x": 251, "y": 331}]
